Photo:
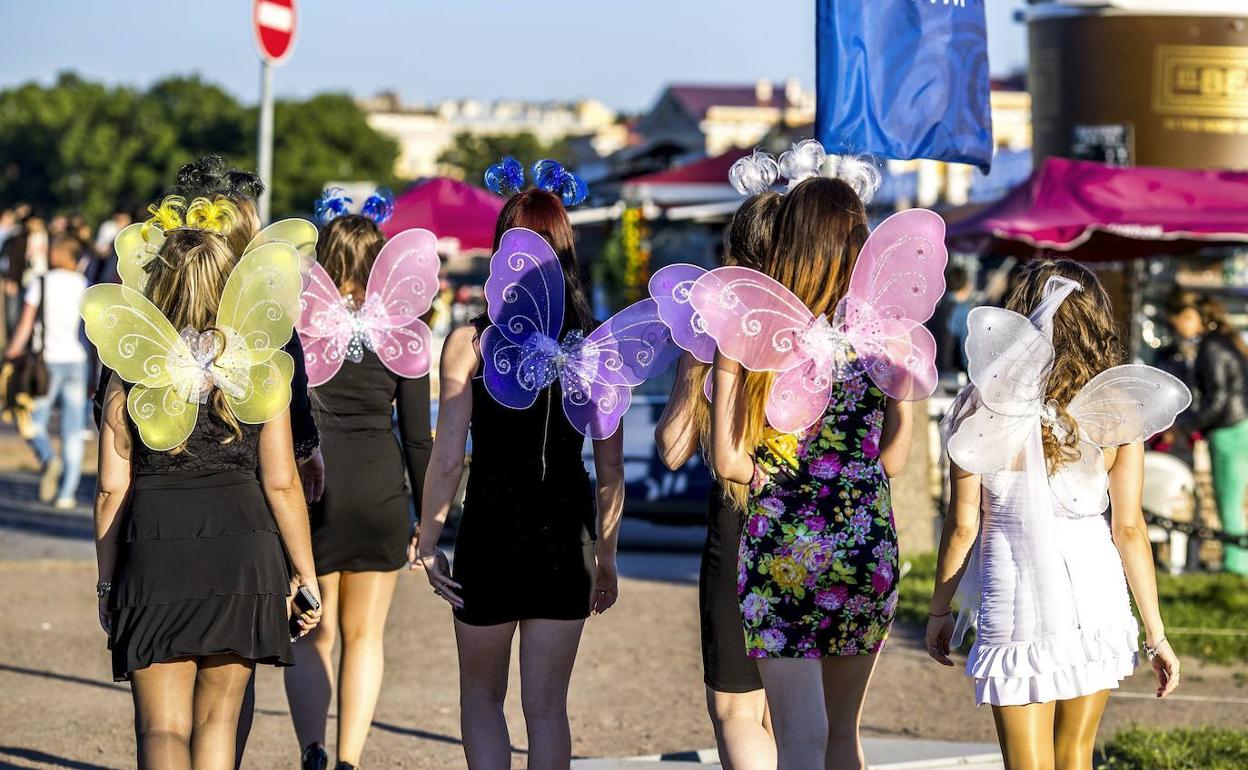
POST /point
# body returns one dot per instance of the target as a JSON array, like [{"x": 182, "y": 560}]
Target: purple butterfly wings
[{"x": 522, "y": 355}]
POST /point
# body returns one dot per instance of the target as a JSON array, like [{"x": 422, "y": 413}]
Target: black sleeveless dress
[
  {"x": 725, "y": 666},
  {"x": 525, "y": 545},
  {"x": 200, "y": 566},
  {"x": 363, "y": 522}
]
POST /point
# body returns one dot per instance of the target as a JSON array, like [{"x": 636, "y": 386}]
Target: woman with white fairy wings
[
  {"x": 200, "y": 519},
  {"x": 1048, "y": 434}
]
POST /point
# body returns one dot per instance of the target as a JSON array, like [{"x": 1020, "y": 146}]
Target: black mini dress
[
  {"x": 201, "y": 569},
  {"x": 725, "y": 666},
  {"x": 525, "y": 545},
  {"x": 363, "y": 521}
]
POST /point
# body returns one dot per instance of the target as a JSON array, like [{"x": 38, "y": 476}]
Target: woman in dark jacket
[{"x": 1220, "y": 412}]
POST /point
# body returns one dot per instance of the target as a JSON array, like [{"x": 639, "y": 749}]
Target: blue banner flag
[{"x": 904, "y": 79}]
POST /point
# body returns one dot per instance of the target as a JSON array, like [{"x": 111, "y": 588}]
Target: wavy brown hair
[
  {"x": 186, "y": 280},
  {"x": 1086, "y": 341},
  {"x": 347, "y": 248},
  {"x": 747, "y": 240},
  {"x": 820, "y": 227}
]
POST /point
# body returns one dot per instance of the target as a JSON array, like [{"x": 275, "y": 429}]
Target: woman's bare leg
[
  {"x": 742, "y": 729},
  {"x": 799, "y": 718},
  {"x": 547, "y": 654},
  {"x": 164, "y": 708},
  {"x": 363, "y": 604},
  {"x": 219, "y": 687},
  {"x": 484, "y": 660},
  {"x": 310, "y": 682},
  {"x": 1026, "y": 735},
  {"x": 1074, "y": 730},
  {"x": 845, "y": 682}
]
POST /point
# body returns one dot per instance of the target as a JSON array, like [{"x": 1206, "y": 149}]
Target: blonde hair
[
  {"x": 186, "y": 280},
  {"x": 820, "y": 226},
  {"x": 1086, "y": 341}
]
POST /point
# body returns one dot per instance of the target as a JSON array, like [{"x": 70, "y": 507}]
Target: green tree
[
  {"x": 472, "y": 154},
  {"x": 82, "y": 146}
]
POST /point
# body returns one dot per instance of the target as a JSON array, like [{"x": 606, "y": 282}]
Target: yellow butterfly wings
[{"x": 256, "y": 314}]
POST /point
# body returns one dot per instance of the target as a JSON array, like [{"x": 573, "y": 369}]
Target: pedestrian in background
[
  {"x": 50, "y": 322},
  {"x": 27, "y": 255},
  {"x": 1219, "y": 380}
]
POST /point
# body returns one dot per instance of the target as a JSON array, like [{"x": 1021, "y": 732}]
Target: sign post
[{"x": 273, "y": 23}]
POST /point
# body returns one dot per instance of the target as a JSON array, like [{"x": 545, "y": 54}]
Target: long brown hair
[
  {"x": 1086, "y": 341},
  {"x": 544, "y": 214},
  {"x": 747, "y": 240},
  {"x": 820, "y": 226},
  {"x": 186, "y": 280},
  {"x": 347, "y": 248}
]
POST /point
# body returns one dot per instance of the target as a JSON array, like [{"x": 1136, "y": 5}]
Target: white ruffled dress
[{"x": 1053, "y": 615}]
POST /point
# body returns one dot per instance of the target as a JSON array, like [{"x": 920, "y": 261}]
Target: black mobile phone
[{"x": 304, "y": 602}]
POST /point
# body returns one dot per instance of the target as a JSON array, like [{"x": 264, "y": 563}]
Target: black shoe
[
  {"x": 314, "y": 757},
  {"x": 345, "y": 766}
]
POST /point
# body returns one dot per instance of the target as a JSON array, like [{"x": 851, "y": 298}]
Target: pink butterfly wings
[
  {"x": 877, "y": 327},
  {"x": 401, "y": 288}
]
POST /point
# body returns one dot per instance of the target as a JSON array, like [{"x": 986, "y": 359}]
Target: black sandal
[{"x": 314, "y": 757}]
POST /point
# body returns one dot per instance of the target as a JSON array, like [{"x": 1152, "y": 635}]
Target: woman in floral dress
[{"x": 818, "y": 566}]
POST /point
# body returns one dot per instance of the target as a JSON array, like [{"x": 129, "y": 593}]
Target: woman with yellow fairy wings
[{"x": 195, "y": 570}]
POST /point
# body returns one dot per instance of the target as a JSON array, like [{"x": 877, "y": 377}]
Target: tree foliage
[
  {"x": 82, "y": 146},
  {"x": 472, "y": 154}
]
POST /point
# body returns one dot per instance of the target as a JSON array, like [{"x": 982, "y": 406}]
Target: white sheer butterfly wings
[
  {"x": 173, "y": 372},
  {"x": 1010, "y": 358},
  {"x": 876, "y": 329}
]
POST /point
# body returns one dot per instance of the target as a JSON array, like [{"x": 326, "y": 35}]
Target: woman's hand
[
  {"x": 1166, "y": 664},
  {"x": 312, "y": 474},
  {"x": 309, "y": 619},
  {"x": 606, "y": 586},
  {"x": 938, "y": 637},
  {"x": 106, "y": 617},
  {"x": 438, "y": 570},
  {"x": 413, "y": 548}
]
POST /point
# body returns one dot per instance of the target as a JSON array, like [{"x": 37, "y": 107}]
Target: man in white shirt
[{"x": 50, "y": 317}]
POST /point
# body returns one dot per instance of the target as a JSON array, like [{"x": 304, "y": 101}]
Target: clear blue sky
[{"x": 621, "y": 53}]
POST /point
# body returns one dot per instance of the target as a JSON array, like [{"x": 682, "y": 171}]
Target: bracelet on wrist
[
  {"x": 944, "y": 614},
  {"x": 1151, "y": 649},
  {"x": 102, "y": 588}
]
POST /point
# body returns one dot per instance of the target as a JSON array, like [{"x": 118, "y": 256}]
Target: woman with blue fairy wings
[{"x": 534, "y": 555}]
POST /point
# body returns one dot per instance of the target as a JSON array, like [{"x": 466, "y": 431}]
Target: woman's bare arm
[
  {"x": 676, "y": 433},
  {"x": 609, "y": 483},
  {"x": 446, "y": 463},
  {"x": 1126, "y": 490},
  {"x": 896, "y": 435},
  {"x": 283, "y": 489},
  {"x": 112, "y": 484},
  {"x": 730, "y": 458},
  {"x": 957, "y": 538}
]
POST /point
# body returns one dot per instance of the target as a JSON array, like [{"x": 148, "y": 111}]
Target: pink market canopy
[
  {"x": 1095, "y": 212},
  {"x": 450, "y": 209}
]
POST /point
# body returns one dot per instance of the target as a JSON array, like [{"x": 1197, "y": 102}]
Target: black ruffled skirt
[{"x": 200, "y": 571}]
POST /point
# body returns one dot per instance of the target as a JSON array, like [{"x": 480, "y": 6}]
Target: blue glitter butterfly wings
[{"x": 522, "y": 355}]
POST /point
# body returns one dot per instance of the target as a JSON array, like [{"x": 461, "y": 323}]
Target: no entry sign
[{"x": 274, "y": 24}]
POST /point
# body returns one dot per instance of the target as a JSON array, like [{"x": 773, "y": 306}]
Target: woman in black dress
[
  {"x": 525, "y": 555},
  {"x": 362, "y": 523},
  {"x": 734, "y": 690},
  {"x": 196, "y": 545}
]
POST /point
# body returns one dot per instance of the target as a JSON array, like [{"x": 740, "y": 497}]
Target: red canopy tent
[
  {"x": 450, "y": 209},
  {"x": 1090, "y": 211}
]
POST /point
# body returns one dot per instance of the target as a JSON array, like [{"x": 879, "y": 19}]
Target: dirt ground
[{"x": 637, "y": 687}]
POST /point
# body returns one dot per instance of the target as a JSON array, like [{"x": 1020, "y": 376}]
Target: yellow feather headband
[{"x": 173, "y": 213}]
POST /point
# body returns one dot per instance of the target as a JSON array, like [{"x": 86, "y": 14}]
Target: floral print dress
[{"x": 818, "y": 566}]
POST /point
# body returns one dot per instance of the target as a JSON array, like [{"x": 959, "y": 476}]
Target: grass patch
[
  {"x": 1202, "y": 748},
  {"x": 1199, "y": 600}
]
